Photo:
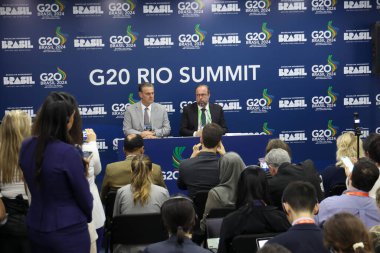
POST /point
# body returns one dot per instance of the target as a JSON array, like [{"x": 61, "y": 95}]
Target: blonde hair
[
  {"x": 141, "y": 182},
  {"x": 15, "y": 127},
  {"x": 347, "y": 146}
]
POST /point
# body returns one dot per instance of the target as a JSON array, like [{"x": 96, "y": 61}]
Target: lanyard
[
  {"x": 359, "y": 194},
  {"x": 303, "y": 221}
]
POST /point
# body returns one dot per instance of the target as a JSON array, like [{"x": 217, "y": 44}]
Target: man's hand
[
  {"x": 220, "y": 149},
  {"x": 91, "y": 135},
  {"x": 197, "y": 133},
  {"x": 147, "y": 134},
  {"x": 196, "y": 150}
]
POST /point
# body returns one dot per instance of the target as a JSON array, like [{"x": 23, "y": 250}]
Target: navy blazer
[
  {"x": 189, "y": 120},
  {"x": 171, "y": 246},
  {"x": 62, "y": 197},
  {"x": 302, "y": 238}
]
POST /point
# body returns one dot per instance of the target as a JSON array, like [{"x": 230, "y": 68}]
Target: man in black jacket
[
  {"x": 195, "y": 116},
  {"x": 284, "y": 172}
]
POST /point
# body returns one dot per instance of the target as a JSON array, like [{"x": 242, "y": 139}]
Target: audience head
[
  {"x": 178, "y": 215},
  {"x": 141, "y": 183},
  {"x": 273, "y": 248},
  {"x": 367, "y": 141},
  {"x": 364, "y": 174},
  {"x": 15, "y": 127},
  {"x": 275, "y": 158},
  {"x": 374, "y": 150},
  {"x": 146, "y": 93},
  {"x": 211, "y": 135},
  {"x": 134, "y": 144},
  {"x": 374, "y": 233},
  {"x": 299, "y": 197},
  {"x": 344, "y": 232},
  {"x": 202, "y": 95},
  {"x": 57, "y": 119},
  {"x": 230, "y": 167},
  {"x": 252, "y": 186},
  {"x": 277, "y": 143},
  {"x": 347, "y": 146}
]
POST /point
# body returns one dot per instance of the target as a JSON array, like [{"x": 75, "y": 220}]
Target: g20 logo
[
  {"x": 321, "y": 68},
  {"x": 49, "y": 41},
  {"x": 321, "y": 35},
  {"x": 46, "y": 77},
  {"x": 120, "y": 39},
  {"x": 185, "y": 103},
  {"x": 110, "y": 77},
  {"x": 322, "y": 133},
  {"x": 256, "y": 4},
  {"x": 256, "y": 36},
  {"x": 321, "y": 3},
  {"x": 189, "y": 38},
  {"x": 170, "y": 175},
  {"x": 257, "y": 102},
  {"x": 118, "y": 7},
  {"x": 321, "y": 100},
  {"x": 120, "y": 107},
  {"x": 48, "y": 8},
  {"x": 186, "y": 6}
]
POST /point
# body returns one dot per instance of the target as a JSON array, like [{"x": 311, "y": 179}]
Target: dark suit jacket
[
  {"x": 119, "y": 174},
  {"x": 171, "y": 246},
  {"x": 199, "y": 173},
  {"x": 302, "y": 238},
  {"x": 189, "y": 120},
  {"x": 63, "y": 197},
  {"x": 288, "y": 173},
  {"x": 250, "y": 219}
]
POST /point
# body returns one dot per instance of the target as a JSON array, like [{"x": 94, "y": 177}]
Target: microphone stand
[{"x": 357, "y": 131}]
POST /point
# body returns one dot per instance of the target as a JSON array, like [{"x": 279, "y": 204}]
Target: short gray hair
[{"x": 276, "y": 157}]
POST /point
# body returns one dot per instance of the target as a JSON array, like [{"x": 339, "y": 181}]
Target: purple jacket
[{"x": 63, "y": 197}]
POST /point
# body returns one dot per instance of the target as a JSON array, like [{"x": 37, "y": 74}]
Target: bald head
[{"x": 133, "y": 143}]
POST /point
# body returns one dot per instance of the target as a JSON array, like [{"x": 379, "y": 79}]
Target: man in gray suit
[{"x": 146, "y": 118}]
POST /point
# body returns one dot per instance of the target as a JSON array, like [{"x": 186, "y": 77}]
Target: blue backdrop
[{"x": 294, "y": 69}]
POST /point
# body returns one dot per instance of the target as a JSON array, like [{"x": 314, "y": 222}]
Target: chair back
[
  {"x": 199, "y": 201},
  {"x": 109, "y": 203},
  {"x": 250, "y": 243},
  {"x": 220, "y": 212},
  {"x": 137, "y": 229}
]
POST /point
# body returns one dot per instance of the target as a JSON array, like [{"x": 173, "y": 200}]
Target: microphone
[{"x": 357, "y": 129}]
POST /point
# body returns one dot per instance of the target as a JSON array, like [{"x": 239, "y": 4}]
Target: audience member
[
  {"x": 200, "y": 172},
  {"x": 356, "y": 199},
  {"x": 284, "y": 172},
  {"x": 367, "y": 142},
  {"x": 55, "y": 173},
  {"x": 344, "y": 232},
  {"x": 334, "y": 174},
  {"x": 300, "y": 204},
  {"x": 13, "y": 198},
  {"x": 179, "y": 217},
  {"x": 277, "y": 143},
  {"x": 119, "y": 174},
  {"x": 224, "y": 194},
  {"x": 196, "y": 115},
  {"x": 374, "y": 155},
  {"x": 273, "y": 248},
  {"x": 147, "y": 118},
  {"x": 254, "y": 214},
  {"x": 375, "y": 230},
  {"x": 95, "y": 167}
]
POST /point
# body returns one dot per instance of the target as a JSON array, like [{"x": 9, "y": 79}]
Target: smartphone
[
  {"x": 87, "y": 154},
  {"x": 263, "y": 163},
  {"x": 347, "y": 162}
]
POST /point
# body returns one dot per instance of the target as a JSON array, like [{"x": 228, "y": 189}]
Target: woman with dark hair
[
  {"x": 254, "y": 215},
  {"x": 55, "y": 175},
  {"x": 345, "y": 233},
  {"x": 178, "y": 216}
]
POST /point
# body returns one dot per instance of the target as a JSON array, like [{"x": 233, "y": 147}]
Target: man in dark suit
[
  {"x": 300, "y": 204},
  {"x": 201, "y": 172},
  {"x": 119, "y": 174},
  {"x": 195, "y": 116}
]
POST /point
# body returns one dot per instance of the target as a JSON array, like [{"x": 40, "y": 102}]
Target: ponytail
[{"x": 180, "y": 235}]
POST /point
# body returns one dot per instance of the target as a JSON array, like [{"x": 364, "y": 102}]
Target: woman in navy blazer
[
  {"x": 61, "y": 202},
  {"x": 178, "y": 216}
]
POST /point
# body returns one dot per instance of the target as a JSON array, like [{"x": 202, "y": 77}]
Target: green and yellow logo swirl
[
  {"x": 177, "y": 156},
  {"x": 200, "y": 33},
  {"x": 131, "y": 4},
  {"x": 131, "y": 34},
  {"x": 267, "y": 97},
  {"x": 332, "y": 63},
  {"x": 200, "y": 4},
  {"x": 60, "y": 35},
  {"x": 268, "y": 32},
  {"x": 60, "y": 4},
  {"x": 332, "y": 29},
  {"x": 131, "y": 100},
  {"x": 267, "y": 130},
  {"x": 332, "y": 94},
  {"x": 62, "y": 73},
  {"x": 332, "y": 128}
]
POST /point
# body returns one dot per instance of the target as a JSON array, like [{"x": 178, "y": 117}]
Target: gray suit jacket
[{"x": 134, "y": 122}]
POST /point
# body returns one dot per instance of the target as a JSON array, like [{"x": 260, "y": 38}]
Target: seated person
[
  {"x": 356, "y": 199},
  {"x": 119, "y": 174},
  {"x": 284, "y": 172},
  {"x": 178, "y": 216},
  {"x": 254, "y": 214},
  {"x": 300, "y": 204},
  {"x": 224, "y": 194},
  {"x": 344, "y": 232},
  {"x": 334, "y": 174}
]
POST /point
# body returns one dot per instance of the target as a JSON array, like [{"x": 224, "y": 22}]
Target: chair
[
  {"x": 108, "y": 209},
  {"x": 250, "y": 243},
  {"x": 199, "y": 200},
  {"x": 137, "y": 229},
  {"x": 220, "y": 212},
  {"x": 214, "y": 220}
]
